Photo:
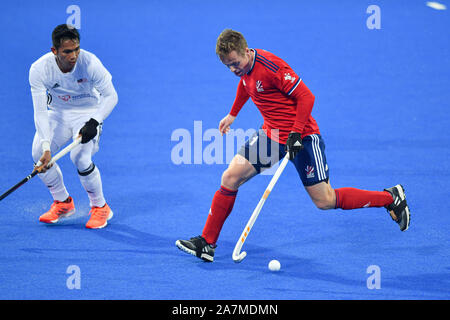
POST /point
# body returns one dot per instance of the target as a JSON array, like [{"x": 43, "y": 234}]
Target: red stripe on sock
[
  {"x": 351, "y": 198},
  {"x": 221, "y": 207}
]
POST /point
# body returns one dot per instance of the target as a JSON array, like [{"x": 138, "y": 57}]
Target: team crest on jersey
[
  {"x": 309, "y": 172},
  {"x": 287, "y": 76},
  {"x": 65, "y": 97},
  {"x": 259, "y": 86},
  {"x": 82, "y": 80}
]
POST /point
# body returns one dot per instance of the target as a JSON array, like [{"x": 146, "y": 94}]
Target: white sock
[
  {"x": 92, "y": 183},
  {"x": 53, "y": 179}
]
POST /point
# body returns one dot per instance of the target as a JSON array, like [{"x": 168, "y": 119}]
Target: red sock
[
  {"x": 351, "y": 198},
  {"x": 221, "y": 207}
]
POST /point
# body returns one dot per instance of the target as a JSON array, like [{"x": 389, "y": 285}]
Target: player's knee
[
  {"x": 36, "y": 150},
  {"x": 80, "y": 160},
  {"x": 230, "y": 179},
  {"x": 324, "y": 203}
]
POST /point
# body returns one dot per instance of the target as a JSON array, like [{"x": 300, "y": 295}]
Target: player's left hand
[
  {"x": 43, "y": 162},
  {"x": 293, "y": 144},
  {"x": 89, "y": 131}
]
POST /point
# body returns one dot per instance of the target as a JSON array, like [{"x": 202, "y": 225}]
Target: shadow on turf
[
  {"x": 291, "y": 266},
  {"x": 429, "y": 285}
]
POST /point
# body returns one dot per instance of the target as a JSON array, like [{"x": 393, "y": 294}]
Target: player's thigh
[
  {"x": 82, "y": 154},
  {"x": 261, "y": 152},
  {"x": 312, "y": 167},
  {"x": 311, "y": 162},
  {"x": 257, "y": 154},
  {"x": 60, "y": 134},
  {"x": 238, "y": 172}
]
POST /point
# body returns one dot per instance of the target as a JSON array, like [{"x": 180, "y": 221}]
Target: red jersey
[{"x": 280, "y": 95}]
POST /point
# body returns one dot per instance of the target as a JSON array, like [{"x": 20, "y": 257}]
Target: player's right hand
[
  {"x": 41, "y": 166},
  {"x": 89, "y": 131},
  {"x": 225, "y": 123},
  {"x": 293, "y": 144}
]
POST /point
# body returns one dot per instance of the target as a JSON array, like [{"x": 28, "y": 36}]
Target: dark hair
[{"x": 64, "y": 32}]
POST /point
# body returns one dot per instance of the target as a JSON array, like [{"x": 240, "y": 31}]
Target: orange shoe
[
  {"x": 99, "y": 217},
  {"x": 58, "y": 210}
]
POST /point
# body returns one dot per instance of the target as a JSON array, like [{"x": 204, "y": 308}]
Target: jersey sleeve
[
  {"x": 39, "y": 97},
  {"x": 305, "y": 102},
  {"x": 110, "y": 99},
  {"x": 101, "y": 78},
  {"x": 242, "y": 97},
  {"x": 288, "y": 82},
  {"x": 102, "y": 81}
]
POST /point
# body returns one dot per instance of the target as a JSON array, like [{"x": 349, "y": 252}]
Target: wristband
[{"x": 45, "y": 146}]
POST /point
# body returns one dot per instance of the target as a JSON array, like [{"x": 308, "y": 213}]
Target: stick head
[{"x": 238, "y": 258}]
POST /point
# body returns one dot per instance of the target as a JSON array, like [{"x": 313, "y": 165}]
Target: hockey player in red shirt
[{"x": 285, "y": 103}]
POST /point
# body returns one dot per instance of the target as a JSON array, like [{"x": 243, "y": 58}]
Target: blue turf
[{"x": 381, "y": 103}]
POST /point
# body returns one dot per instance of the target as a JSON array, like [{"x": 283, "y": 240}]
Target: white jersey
[
  {"x": 76, "y": 91},
  {"x": 86, "y": 90}
]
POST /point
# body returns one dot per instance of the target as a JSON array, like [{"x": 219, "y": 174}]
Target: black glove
[
  {"x": 293, "y": 144},
  {"x": 89, "y": 131}
]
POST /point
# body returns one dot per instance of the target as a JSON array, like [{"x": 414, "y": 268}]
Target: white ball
[{"x": 274, "y": 265}]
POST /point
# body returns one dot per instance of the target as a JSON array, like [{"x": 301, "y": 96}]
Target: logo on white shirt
[{"x": 65, "y": 97}]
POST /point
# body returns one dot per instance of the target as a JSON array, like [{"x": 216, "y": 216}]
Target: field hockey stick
[
  {"x": 238, "y": 256},
  {"x": 58, "y": 156}
]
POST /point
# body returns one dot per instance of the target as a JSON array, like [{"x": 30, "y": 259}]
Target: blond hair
[{"x": 228, "y": 41}]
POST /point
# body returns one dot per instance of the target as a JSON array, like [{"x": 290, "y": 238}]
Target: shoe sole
[
  {"x": 65, "y": 215},
  {"x": 401, "y": 192},
  {"x": 111, "y": 214},
  {"x": 203, "y": 256}
]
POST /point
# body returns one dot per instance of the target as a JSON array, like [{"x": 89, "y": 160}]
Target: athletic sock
[
  {"x": 68, "y": 200},
  {"x": 221, "y": 207},
  {"x": 92, "y": 183},
  {"x": 54, "y": 181},
  {"x": 351, "y": 198}
]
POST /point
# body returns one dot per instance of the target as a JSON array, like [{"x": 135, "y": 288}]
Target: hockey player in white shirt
[{"x": 72, "y": 95}]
